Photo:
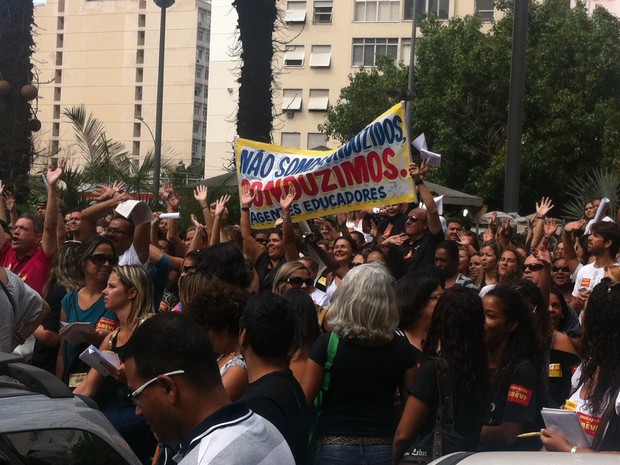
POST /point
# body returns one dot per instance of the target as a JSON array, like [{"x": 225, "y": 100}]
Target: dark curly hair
[
  {"x": 457, "y": 333},
  {"x": 413, "y": 292},
  {"x": 227, "y": 262},
  {"x": 522, "y": 342},
  {"x": 218, "y": 306},
  {"x": 600, "y": 370}
]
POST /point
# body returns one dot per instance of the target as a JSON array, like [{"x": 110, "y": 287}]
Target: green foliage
[
  {"x": 364, "y": 99},
  {"x": 595, "y": 183},
  {"x": 462, "y": 77}
]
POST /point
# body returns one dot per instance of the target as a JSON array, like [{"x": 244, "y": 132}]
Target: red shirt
[{"x": 33, "y": 268}]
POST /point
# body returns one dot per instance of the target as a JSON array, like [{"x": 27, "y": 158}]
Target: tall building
[
  {"x": 105, "y": 54},
  {"x": 321, "y": 42}
]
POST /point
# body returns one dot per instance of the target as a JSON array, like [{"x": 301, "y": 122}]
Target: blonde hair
[
  {"x": 614, "y": 272},
  {"x": 364, "y": 309},
  {"x": 284, "y": 273},
  {"x": 136, "y": 277}
]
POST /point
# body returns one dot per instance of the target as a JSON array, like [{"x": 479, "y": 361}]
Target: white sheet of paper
[{"x": 434, "y": 159}]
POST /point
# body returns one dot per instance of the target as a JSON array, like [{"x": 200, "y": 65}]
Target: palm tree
[{"x": 596, "y": 183}]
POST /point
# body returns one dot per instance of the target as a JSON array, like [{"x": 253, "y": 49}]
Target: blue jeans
[{"x": 375, "y": 454}]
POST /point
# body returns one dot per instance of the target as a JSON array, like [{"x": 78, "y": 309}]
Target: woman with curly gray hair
[{"x": 370, "y": 363}]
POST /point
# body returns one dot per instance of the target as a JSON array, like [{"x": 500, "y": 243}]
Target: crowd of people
[{"x": 336, "y": 345}]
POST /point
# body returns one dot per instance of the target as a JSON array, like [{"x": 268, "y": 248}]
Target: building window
[
  {"x": 294, "y": 56},
  {"x": 55, "y": 129},
  {"x": 61, "y": 6},
  {"x": 199, "y": 70},
  {"x": 58, "y": 76},
  {"x": 200, "y": 35},
  {"x": 197, "y": 109},
  {"x": 291, "y": 100},
  {"x": 138, "y": 93},
  {"x": 57, "y": 94},
  {"x": 295, "y": 12},
  {"x": 139, "y": 74},
  {"x": 135, "y": 148},
  {"x": 203, "y": 18},
  {"x": 58, "y": 58},
  {"x": 319, "y": 100},
  {"x": 141, "y": 36},
  {"x": 322, "y": 12},
  {"x": 60, "y": 23},
  {"x": 137, "y": 129},
  {"x": 137, "y": 111},
  {"x": 366, "y": 51},
  {"x": 291, "y": 139},
  {"x": 195, "y": 145},
  {"x": 196, "y": 127},
  {"x": 56, "y": 111},
  {"x": 140, "y": 56},
  {"x": 438, "y": 8},
  {"x": 60, "y": 40},
  {"x": 405, "y": 51},
  {"x": 321, "y": 56},
  {"x": 377, "y": 10},
  {"x": 141, "y": 20},
  {"x": 55, "y": 147},
  {"x": 199, "y": 53},
  {"x": 142, "y": 4},
  {"x": 316, "y": 140},
  {"x": 485, "y": 9},
  {"x": 198, "y": 90}
]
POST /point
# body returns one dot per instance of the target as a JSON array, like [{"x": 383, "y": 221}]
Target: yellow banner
[{"x": 370, "y": 170}]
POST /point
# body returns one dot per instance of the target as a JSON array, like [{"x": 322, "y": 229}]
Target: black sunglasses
[
  {"x": 414, "y": 218},
  {"x": 100, "y": 259},
  {"x": 533, "y": 267},
  {"x": 297, "y": 281},
  {"x": 565, "y": 269}
]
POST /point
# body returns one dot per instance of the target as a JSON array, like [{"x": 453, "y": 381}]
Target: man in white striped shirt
[{"x": 177, "y": 387}]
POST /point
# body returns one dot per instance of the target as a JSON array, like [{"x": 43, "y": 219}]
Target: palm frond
[{"x": 592, "y": 184}]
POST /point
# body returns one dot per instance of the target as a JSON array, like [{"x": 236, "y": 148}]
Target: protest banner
[{"x": 371, "y": 170}]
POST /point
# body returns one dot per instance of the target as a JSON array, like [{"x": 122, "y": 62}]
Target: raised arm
[
  {"x": 200, "y": 194},
  {"x": 107, "y": 198},
  {"x": 288, "y": 232},
  {"x": 418, "y": 173},
  {"x": 199, "y": 241},
  {"x": 220, "y": 207},
  {"x": 9, "y": 200},
  {"x": 49, "y": 243},
  {"x": 569, "y": 247},
  {"x": 542, "y": 209},
  {"x": 251, "y": 248}
]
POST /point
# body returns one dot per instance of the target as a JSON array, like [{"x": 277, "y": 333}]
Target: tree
[
  {"x": 572, "y": 108},
  {"x": 256, "y": 25},
  {"x": 16, "y": 45}
]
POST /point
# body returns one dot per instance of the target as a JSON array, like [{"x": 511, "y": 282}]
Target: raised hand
[
  {"x": 418, "y": 172},
  {"x": 488, "y": 235},
  {"x": 575, "y": 226},
  {"x": 220, "y": 205},
  {"x": 287, "y": 199},
  {"x": 53, "y": 175},
  {"x": 247, "y": 195},
  {"x": 197, "y": 224},
  {"x": 342, "y": 218},
  {"x": 200, "y": 194},
  {"x": 396, "y": 240},
  {"x": 118, "y": 188},
  {"x": 9, "y": 200},
  {"x": 551, "y": 227},
  {"x": 543, "y": 207}
]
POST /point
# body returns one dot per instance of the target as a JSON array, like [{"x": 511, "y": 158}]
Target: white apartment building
[
  {"x": 105, "y": 54},
  {"x": 321, "y": 42}
]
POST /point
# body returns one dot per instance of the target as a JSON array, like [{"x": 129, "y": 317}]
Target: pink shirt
[{"x": 33, "y": 268}]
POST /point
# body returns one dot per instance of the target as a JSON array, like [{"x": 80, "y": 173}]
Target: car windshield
[{"x": 56, "y": 447}]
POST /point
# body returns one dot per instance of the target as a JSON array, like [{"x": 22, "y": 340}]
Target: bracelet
[
  {"x": 419, "y": 182},
  {"x": 573, "y": 449},
  {"x": 245, "y": 209}
]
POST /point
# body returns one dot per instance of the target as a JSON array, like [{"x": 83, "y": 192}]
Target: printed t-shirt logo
[
  {"x": 585, "y": 282},
  {"x": 589, "y": 423},
  {"x": 519, "y": 395},
  {"x": 106, "y": 324},
  {"x": 555, "y": 370}
]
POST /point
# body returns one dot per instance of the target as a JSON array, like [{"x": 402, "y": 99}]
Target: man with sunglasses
[
  {"x": 422, "y": 227},
  {"x": 177, "y": 387}
]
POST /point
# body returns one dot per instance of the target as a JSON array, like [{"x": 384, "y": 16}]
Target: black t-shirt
[
  {"x": 360, "y": 398},
  {"x": 518, "y": 400},
  {"x": 266, "y": 274},
  {"x": 397, "y": 222},
  {"x": 560, "y": 372},
  {"x": 44, "y": 356},
  {"x": 414, "y": 256},
  {"x": 278, "y": 397},
  {"x": 468, "y": 414}
]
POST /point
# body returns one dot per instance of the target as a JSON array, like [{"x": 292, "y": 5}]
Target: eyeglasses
[
  {"x": 115, "y": 231},
  {"x": 100, "y": 259},
  {"x": 414, "y": 219},
  {"x": 297, "y": 281},
  {"x": 556, "y": 269},
  {"x": 533, "y": 267},
  {"x": 135, "y": 395}
]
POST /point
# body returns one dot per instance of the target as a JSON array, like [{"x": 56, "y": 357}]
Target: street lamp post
[
  {"x": 410, "y": 81},
  {"x": 164, "y": 5},
  {"x": 139, "y": 118}
]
